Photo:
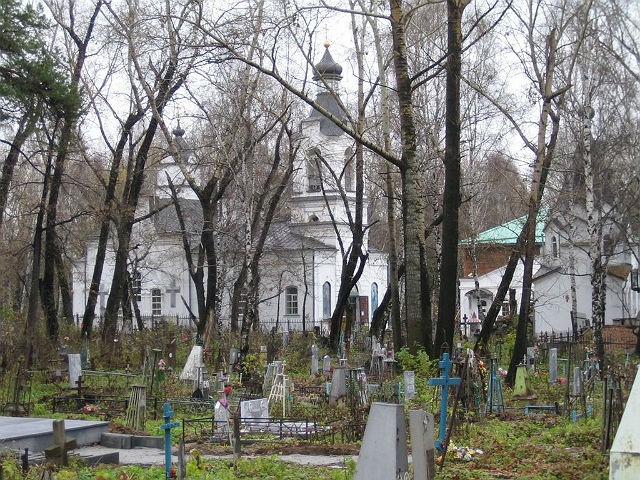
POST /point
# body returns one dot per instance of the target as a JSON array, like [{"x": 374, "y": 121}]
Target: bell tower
[{"x": 325, "y": 167}]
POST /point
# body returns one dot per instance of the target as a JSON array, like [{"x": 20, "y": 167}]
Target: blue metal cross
[
  {"x": 167, "y": 426},
  {"x": 445, "y": 381}
]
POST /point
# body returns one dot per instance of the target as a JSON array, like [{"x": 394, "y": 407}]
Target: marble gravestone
[
  {"x": 252, "y": 412},
  {"x": 75, "y": 369}
]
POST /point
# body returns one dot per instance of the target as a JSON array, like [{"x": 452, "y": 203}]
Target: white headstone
[
  {"x": 326, "y": 365},
  {"x": 257, "y": 409},
  {"x": 221, "y": 416},
  {"x": 383, "y": 455},
  {"x": 422, "y": 444},
  {"x": 75, "y": 369},
  {"x": 409, "y": 384},
  {"x": 624, "y": 456},
  {"x": 193, "y": 364},
  {"x": 553, "y": 365}
]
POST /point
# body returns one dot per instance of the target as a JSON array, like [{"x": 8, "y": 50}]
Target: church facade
[{"x": 301, "y": 267}]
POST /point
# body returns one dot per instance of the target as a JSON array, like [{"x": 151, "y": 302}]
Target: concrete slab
[{"x": 36, "y": 434}]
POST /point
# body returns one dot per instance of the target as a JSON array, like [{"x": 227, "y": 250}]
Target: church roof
[
  {"x": 507, "y": 233},
  {"x": 166, "y": 220},
  {"x": 282, "y": 237}
]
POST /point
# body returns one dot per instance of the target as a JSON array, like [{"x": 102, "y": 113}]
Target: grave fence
[
  {"x": 584, "y": 339},
  {"x": 258, "y": 429}
]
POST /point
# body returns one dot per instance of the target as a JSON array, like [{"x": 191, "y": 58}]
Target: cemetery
[{"x": 401, "y": 415}]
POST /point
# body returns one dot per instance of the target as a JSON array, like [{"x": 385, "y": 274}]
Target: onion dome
[
  {"x": 178, "y": 131},
  {"x": 327, "y": 68}
]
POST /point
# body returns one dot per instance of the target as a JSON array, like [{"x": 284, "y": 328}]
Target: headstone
[
  {"x": 624, "y": 456},
  {"x": 338, "y": 391},
  {"x": 531, "y": 358},
  {"x": 234, "y": 353},
  {"x": 409, "y": 384},
  {"x": 85, "y": 355},
  {"x": 257, "y": 409},
  {"x": 553, "y": 365},
  {"x": 75, "y": 369},
  {"x": 522, "y": 385},
  {"x": 383, "y": 455},
  {"x": 422, "y": 446},
  {"x": 221, "y": 417},
  {"x": 326, "y": 365},
  {"x": 314, "y": 359},
  {"x": 577, "y": 381},
  {"x": 194, "y": 361}
]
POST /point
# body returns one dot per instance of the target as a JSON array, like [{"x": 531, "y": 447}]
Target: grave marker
[
  {"x": 338, "y": 390},
  {"x": 445, "y": 382},
  {"x": 522, "y": 386},
  {"x": 409, "y": 384},
  {"x": 422, "y": 444},
  {"x": 58, "y": 452},
  {"x": 326, "y": 365},
  {"x": 624, "y": 456},
  {"x": 253, "y": 411},
  {"x": 75, "y": 369},
  {"x": 167, "y": 426},
  {"x": 383, "y": 455},
  {"x": 314, "y": 360},
  {"x": 553, "y": 365}
]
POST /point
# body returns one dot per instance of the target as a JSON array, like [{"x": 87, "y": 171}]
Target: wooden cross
[
  {"x": 445, "y": 382},
  {"x": 58, "y": 452}
]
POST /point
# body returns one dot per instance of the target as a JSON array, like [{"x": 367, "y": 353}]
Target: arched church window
[
  {"x": 374, "y": 297},
  {"x": 554, "y": 247},
  {"x": 326, "y": 300},
  {"x": 314, "y": 178},
  {"x": 348, "y": 170}
]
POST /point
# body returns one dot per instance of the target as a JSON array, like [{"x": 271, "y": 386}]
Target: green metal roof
[{"x": 507, "y": 233}]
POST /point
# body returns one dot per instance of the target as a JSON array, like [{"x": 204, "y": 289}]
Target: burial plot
[
  {"x": 624, "y": 456},
  {"x": 383, "y": 455}
]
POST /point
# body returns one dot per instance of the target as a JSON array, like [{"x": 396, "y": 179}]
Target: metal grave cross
[
  {"x": 445, "y": 382},
  {"x": 167, "y": 426}
]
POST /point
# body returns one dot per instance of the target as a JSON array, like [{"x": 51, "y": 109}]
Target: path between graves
[{"x": 154, "y": 456}]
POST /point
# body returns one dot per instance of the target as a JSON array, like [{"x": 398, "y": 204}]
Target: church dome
[{"x": 327, "y": 68}]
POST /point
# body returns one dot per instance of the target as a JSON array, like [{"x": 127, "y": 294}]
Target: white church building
[{"x": 301, "y": 266}]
